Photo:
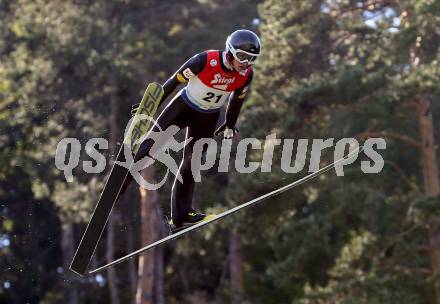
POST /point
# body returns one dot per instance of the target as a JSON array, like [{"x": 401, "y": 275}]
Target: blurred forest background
[{"x": 329, "y": 69}]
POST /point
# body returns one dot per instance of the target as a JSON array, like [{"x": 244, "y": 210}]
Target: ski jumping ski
[
  {"x": 217, "y": 217},
  {"x": 137, "y": 129}
]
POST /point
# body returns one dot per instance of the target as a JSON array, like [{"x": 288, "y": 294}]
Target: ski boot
[{"x": 193, "y": 217}]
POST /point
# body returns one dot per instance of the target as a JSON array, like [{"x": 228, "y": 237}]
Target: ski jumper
[{"x": 211, "y": 82}]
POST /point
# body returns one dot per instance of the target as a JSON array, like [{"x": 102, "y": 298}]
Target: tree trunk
[
  {"x": 131, "y": 264},
  {"x": 93, "y": 188},
  {"x": 429, "y": 157},
  {"x": 109, "y": 256},
  {"x": 68, "y": 251},
  {"x": 184, "y": 278},
  {"x": 159, "y": 271},
  {"x": 431, "y": 180},
  {"x": 429, "y": 165},
  {"x": 129, "y": 211},
  {"x": 236, "y": 267},
  {"x": 149, "y": 219}
]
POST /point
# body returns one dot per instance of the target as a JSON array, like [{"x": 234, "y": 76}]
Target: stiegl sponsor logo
[{"x": 219, "y": 79}]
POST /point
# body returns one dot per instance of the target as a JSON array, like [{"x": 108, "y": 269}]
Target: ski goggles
[{"x": 243, "y": 56}]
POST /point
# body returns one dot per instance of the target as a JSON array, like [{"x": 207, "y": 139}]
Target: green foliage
[{"x": 341, "y": 69}]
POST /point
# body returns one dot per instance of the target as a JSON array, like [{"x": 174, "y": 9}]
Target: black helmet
[{"x": 244, "y": 46}]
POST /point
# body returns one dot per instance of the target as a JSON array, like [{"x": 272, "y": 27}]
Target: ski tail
[{"x": 148, "y": 106}]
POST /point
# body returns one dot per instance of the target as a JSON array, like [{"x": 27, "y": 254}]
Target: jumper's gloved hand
[
  {"x": 227, "y": 133},
  {"x": 134, "y": 109}
]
